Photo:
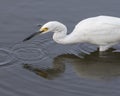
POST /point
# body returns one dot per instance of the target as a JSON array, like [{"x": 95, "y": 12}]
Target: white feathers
[{"x": 103, "y": 31}]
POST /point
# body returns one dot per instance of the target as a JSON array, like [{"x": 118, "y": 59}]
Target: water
[{"x": 40, "y": 67}]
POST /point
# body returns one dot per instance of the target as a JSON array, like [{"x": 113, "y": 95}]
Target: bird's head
[
  {"x": 52, "y": 26},
  {"x": 49, "y": 27}
]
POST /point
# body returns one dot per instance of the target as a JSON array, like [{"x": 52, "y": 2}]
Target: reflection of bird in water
[
  {"x": 91, "y": 66},
  {"x": 103, "y": 31},
  {"x": 104, "y": 67},
  {"x": 48, "y": 73}
]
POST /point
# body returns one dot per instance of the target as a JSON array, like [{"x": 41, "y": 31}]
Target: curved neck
[{"x": 60, "y": 35}]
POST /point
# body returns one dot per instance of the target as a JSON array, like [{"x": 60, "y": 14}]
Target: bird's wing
[
  {"x": 98, "y": 22},
  {"x": 115, "y": 21}
]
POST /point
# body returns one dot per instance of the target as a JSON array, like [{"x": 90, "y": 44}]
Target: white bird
[{"x": 103, "y": 31}]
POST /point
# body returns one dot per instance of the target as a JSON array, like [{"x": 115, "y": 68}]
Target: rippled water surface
[{"x": 40, "y": 67}]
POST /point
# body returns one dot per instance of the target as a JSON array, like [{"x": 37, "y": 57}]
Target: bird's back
[
  {"x": 100, "y": 20},
  {"x": 98, "y": 30}
]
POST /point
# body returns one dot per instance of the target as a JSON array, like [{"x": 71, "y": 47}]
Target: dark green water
[{"x": 40, "y": 67}]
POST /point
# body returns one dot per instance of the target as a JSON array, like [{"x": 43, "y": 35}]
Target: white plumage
[{"x": 103, "y": 31}]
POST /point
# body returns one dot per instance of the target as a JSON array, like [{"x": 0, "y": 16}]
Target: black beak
[{"x": 32, "y": 35}]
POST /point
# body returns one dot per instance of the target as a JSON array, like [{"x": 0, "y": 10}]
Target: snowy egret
[{"x": 103, "y": 31}]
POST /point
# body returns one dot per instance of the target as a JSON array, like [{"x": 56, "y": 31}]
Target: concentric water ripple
[
  {"x": 28, "y": 52},
  {"x": 6, "y": 56}
]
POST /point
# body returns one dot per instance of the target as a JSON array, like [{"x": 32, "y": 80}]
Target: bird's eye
[{"x": 44, "y": 29}]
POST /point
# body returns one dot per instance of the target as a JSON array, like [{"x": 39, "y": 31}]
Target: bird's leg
[{"x": 104, "y": 48}]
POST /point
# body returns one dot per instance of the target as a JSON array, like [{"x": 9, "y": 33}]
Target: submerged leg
[{"x": 104, "y": 48}]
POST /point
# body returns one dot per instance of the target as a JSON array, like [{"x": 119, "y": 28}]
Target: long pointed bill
[{"x": 31, "y": 36}]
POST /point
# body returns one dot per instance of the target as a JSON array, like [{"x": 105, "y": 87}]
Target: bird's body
[{"x": 103, "y": 31}]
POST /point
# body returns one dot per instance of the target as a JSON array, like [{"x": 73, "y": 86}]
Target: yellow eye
[{"x": 43, "y": 29}]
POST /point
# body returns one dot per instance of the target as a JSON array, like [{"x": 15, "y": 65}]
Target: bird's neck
[{"x": 61, "y": 37}]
